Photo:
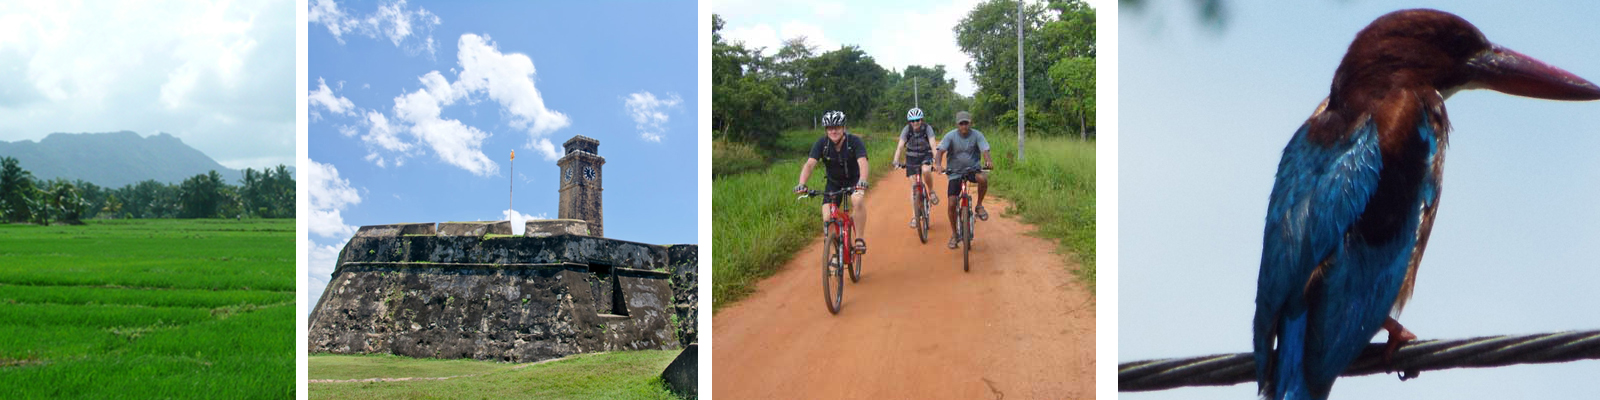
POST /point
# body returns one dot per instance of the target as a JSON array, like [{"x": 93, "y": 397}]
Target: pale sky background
[
  {"x": 1205, "y": 115},
  {"x": 217, "y": 74},
  {"x": 415, "y": 107},
  {"x": 896, "y": 34}
]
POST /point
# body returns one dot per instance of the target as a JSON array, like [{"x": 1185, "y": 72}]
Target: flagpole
[{"x": 511, "y": 186}]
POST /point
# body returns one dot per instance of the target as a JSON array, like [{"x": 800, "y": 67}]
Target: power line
[{"x": 1412, "y": 358}]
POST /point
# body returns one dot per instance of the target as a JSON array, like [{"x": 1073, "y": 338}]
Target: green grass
[
  {"x": 1053, "y": 190},
  {"x": 147, "y": 309},
  {"x": 757, "y": 224},
  {"x": 618, "y": 375}
]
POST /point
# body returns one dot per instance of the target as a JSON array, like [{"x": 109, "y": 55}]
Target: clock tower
[{"x": 580, "y": 182}]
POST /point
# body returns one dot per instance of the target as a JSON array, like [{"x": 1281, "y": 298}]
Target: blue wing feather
[
  {"x": 1307, "y": 333},
  {"x": 1320, "y": 191},
  {"x": 1357, "y": 296}
]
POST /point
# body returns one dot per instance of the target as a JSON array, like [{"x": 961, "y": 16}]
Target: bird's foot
[{"x": 1398, "y": 336}]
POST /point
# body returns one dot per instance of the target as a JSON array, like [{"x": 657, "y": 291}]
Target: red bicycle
[
  {"x": 965, "y": 219},
  {"x": 835, "y": 259},
  {"x": 919, "y": 195}
]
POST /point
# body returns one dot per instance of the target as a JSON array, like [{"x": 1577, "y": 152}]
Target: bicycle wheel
[
  {"x": 966, "y": 240},
  {"x": 922, "y": 217},
  {"x": 832, "y": 277}
]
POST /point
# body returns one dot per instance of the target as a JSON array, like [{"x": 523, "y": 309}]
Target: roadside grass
[
  {"x": 147, "y": 309},
  {"x": 758, "y": 225},
  {"x": 1054, "y": 189},
  {"x": 616, "y": 375}
]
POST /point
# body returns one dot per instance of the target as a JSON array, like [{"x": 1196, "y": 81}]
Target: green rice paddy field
[{"x": 148, "y": 309}]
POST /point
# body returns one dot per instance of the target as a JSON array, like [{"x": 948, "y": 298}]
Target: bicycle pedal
[{"x": 859, "y": 248}]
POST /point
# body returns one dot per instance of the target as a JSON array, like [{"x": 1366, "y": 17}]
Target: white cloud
[
  {"x": 454, "y": 142},
  {"x": 325, "y": 98},
  {"x": 506, "y": 78},
  {"x": 407, "y": 29},
  {"x": 210, "y": 73},
  {"x": 381, "y": 134},
  {"x": 930, "y": 41},
  {"x": 320, "y": 263},
  {"x": 519, "y": 220},
  {"x": 755, "y": 36},
  {"x": 649, "y": 114},
  {"x": 828, "y": 10},
  {"x": 328, "y": 194}
]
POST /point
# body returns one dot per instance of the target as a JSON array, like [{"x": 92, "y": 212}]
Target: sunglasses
[{"x": 963, "y": 123}]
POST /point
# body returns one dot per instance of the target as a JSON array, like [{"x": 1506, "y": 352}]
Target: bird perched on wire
[{"x": 1357, "y": 189}]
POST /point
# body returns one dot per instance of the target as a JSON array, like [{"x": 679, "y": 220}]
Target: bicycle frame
[{"x": 839, "y": 217}]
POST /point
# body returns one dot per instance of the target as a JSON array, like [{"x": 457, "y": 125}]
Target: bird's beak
[{"x": 1506, "y": 71}]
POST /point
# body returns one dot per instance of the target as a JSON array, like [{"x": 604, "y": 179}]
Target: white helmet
[
  {"x": 833, "y": 118},
  {"x": 914, "y": 115}
]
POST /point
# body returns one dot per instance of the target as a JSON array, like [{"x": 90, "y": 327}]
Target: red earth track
[{"x": 1017, "y": 326}]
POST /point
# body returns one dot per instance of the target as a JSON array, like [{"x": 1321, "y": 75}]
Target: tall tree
[
  {"x": 16, "y": 191},
  {"x": 847, "y": 80},
  {"x": 746, "y": 96},
  {"x": 63, "y": 202},
  {"x": 1057, "y": 30},
  {"x": 201, "y": 196}
]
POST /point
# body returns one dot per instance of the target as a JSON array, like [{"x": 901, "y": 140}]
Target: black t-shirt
[{"x": 840, "y": 160}]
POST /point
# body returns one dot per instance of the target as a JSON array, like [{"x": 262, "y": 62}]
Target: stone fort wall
[{"x": 471, "y": 290}]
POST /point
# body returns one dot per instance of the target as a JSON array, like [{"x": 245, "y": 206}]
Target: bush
[{"x": 734, "y": 157}]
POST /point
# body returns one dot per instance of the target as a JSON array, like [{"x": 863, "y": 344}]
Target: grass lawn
[
  {"x": 616, "y": 375},
  {"x": 148, "y": 309},
  {"x": 1054, "y": 189}
]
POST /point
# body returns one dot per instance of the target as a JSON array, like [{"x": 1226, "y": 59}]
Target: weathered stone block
[
  {"x": 683, "y": 261},
  {"x": 683, "y": 375},
  {"x": 475, "y": 229},
  {"x": 552, "y": 227},
  {"x": 390, "y": 230}
]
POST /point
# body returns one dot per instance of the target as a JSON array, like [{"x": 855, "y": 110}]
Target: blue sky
[
  {"x": 415, "y": 107},
  {"x": 897, "y": 33},
  {"x": 1205, "y": 115}
]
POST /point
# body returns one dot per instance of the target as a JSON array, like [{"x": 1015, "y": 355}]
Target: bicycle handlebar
[
  {"x": 815, "y": 193},
  {"x": 948, "y": 171}
]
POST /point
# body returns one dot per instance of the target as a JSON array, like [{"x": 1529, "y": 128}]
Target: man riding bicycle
[
  {"x": 963, "y": 147},
  {"x": 916, "y": 143},
  {"x": 845, "y": 158}
]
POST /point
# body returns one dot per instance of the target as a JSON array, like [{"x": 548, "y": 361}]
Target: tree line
[
  {"x": 755, "y": 95},
  {"x": 267, "y": 193}
]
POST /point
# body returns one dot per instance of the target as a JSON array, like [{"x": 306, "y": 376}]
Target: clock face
[
  {"x": 588, "y": 173},
  {"x": 569, "y": 174}
]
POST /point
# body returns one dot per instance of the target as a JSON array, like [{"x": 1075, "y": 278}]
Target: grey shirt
[{"x": 963, "y": 152}]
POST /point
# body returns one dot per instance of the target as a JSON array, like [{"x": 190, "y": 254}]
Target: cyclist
[
  {"x": 845, "y": 158},
  {"x": 962, "y": 147},
  {"x": 916, "y": 143}
]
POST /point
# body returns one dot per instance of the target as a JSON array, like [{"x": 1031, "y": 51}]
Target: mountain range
[{"x": 114, "y": 159}]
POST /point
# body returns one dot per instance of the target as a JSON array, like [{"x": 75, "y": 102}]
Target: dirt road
[{"x": 1017, "y": 327}]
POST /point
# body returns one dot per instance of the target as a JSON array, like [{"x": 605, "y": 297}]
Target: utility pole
[
  {"x": 915, "y": 99},
  {"x": 1022, "y": 108}
]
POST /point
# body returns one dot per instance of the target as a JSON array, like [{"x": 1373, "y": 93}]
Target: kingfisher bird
[{"x": 1357, "y": 189}]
